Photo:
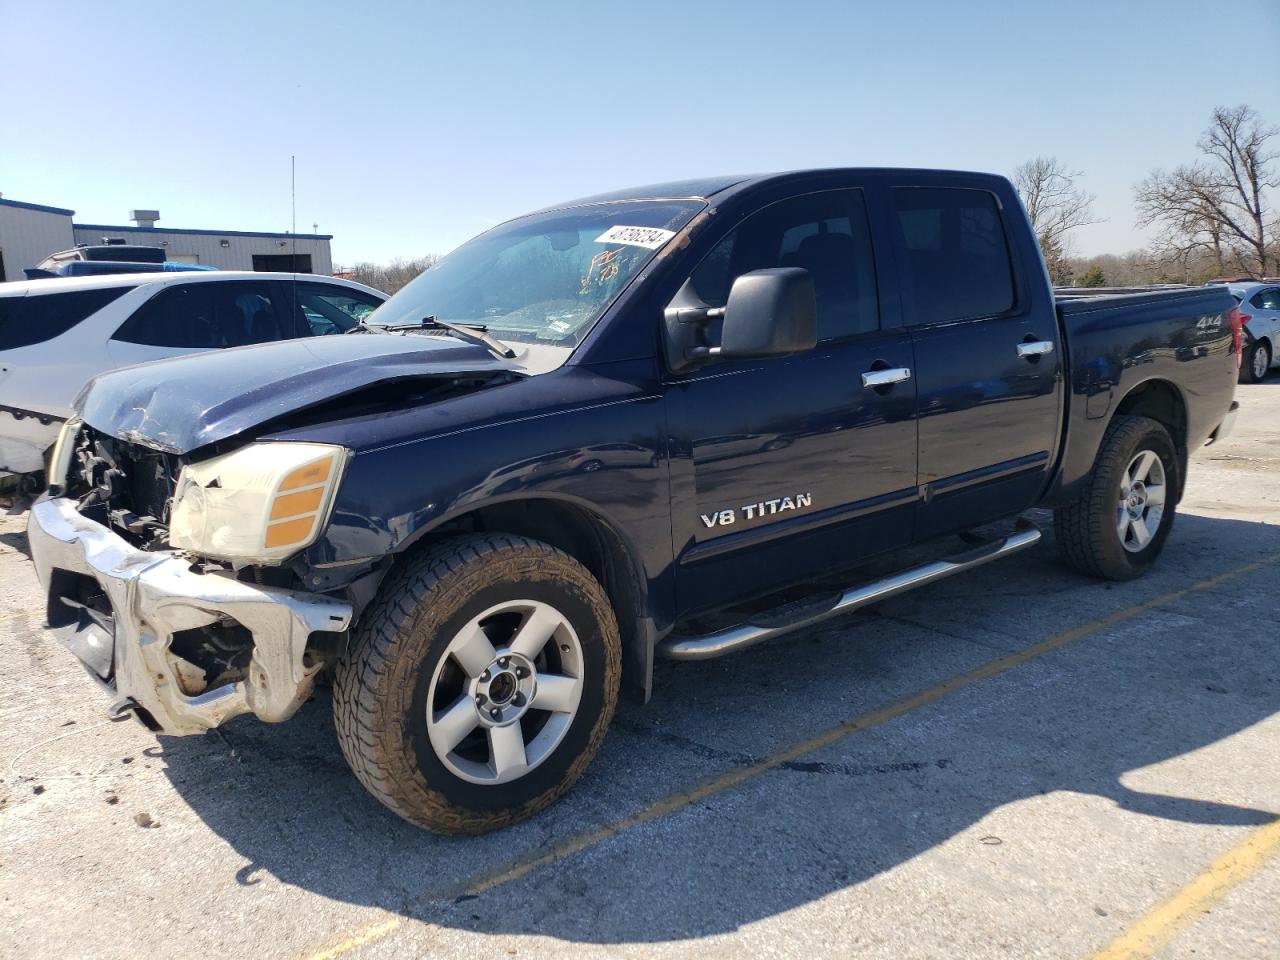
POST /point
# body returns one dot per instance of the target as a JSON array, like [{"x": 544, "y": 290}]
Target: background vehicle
[
  {"x": 107, "y": 258},
  {"x": 56, "y": 334},
  {"x": 590, "y": 435},
  {"x": 1260, "y": 310}
]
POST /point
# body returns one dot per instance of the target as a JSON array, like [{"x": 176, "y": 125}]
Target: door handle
[
  {"x": 1036, "y": 348},
  {"x": 885, "y": 378}
]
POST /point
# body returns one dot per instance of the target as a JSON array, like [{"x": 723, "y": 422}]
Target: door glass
[
  {"x": 200, "y": 316},
  {"x": 824, "y": 233},
  {"x": 1267, "y": 300},
  {"x": 327, "y": 310},
  {"x": 956, "y": 257}
]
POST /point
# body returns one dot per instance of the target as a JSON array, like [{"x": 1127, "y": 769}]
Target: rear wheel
[
  {"x": 1256, "y": 362},
  {"x": 1119, "y": 526},
  {"x": 480, "y": 684}
]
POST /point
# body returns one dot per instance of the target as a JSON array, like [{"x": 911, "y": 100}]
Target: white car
[
  {"x": 1260, "y": 306},
  {"x": 56, "y": 334}
]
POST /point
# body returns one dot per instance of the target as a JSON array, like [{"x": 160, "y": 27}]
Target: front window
[{"x": 545, "y": 278}]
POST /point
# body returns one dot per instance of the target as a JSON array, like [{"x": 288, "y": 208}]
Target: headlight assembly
[
  {"x": 63, "y": 452},
  {"x": 259, "y": 504}
]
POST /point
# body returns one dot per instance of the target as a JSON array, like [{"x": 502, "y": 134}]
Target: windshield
[{"x": 545, "y": 278}]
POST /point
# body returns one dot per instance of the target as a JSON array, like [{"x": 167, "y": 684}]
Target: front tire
[
  {"x": 480, "y": 683},
  {"x": 1118, "y": 527},
  {"x": 1256, "y": 362}
]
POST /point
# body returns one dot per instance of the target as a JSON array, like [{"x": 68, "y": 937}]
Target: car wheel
[
  {"x": 1118, "y": 527},
  {"x": 1256, "y": 362},
  {"x": 480, "y": 684}
]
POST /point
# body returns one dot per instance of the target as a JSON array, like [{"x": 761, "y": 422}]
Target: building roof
[
  {"x": 35, "y": 206},
  {"x": 115, "y": 228}
]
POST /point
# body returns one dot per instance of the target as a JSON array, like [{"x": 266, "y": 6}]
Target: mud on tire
[{"x": 407, "y": 646}]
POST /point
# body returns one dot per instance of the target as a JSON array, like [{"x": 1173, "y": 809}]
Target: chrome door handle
[
  {"x": 885, "y": 378},
  {"x": 1037, "y": 348}
]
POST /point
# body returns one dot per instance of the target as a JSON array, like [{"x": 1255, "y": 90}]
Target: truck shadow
[{"x": 1087, "y": 718}]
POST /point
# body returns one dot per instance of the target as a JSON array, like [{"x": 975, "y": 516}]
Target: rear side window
[
  {"x": 36, "y": 318},
  {"x": 1267, "y": 299},
  {"x": 956, "y": 255},
  {"x": 198, "y": 316}
]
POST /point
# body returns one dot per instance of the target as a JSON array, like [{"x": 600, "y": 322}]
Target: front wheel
[
  {"x": 1118, "y": 527},
  {"x": 480, "y": 684},
  {"x": 1256, "y": 362}
]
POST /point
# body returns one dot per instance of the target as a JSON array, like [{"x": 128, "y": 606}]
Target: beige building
[{"x": 29, "y": 232}]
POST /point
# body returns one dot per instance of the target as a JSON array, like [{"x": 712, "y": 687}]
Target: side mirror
[{"x": 769, "y": 313}]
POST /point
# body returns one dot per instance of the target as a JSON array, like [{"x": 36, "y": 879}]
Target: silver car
[{"x": 1260, "y": 305}]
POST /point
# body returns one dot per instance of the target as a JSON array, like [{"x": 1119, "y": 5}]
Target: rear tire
[
  {"x": 480, "y": 683},
  {"x": 1118, "y": 527},
  {"x": 1256, "y": 362}
]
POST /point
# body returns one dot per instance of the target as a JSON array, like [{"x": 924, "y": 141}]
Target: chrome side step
[{"x": 760, "y": 628}]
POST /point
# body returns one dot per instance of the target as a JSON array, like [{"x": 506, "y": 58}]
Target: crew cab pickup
[{"x": 591, "y": 431}]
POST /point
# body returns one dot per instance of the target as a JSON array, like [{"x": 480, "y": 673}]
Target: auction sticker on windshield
[{"x": 651, "y": 237}]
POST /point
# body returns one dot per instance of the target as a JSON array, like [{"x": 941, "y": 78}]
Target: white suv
[{"x": 56, "y": 334}]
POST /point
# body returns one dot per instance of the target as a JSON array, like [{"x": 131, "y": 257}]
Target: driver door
[{"x": 789, "y": 467}]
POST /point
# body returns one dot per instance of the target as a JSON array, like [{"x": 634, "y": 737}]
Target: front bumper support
[{"x": 156, "y": 594}]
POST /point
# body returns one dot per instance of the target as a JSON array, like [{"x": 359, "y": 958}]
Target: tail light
[{"x": 1237, "y": 321}]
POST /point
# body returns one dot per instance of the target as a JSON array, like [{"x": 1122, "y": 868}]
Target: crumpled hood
[{"x": 183, "y": 403}]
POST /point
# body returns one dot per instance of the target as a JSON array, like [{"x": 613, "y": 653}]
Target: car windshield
[{"x": 544, "y": 278}]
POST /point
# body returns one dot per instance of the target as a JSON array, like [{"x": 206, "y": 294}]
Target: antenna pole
[{"x": 293, "y": 205}]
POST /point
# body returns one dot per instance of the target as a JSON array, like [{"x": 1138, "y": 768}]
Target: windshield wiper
[{"x": 471, "y": 332}]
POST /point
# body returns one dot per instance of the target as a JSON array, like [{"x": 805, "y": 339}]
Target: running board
[{"x": 768, "y": 625}]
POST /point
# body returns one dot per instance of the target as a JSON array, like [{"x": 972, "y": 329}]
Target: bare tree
[
  {"x": 1220, "y": 202},
  {"x": 1055, "y": 206},
  {"x": 389, "y": 277}
]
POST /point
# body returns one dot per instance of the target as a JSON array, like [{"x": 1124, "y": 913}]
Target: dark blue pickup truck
[{"x": 591, "y": 432}]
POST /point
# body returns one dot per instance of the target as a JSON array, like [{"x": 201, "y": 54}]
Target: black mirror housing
[{"x": 769, "y": 313}]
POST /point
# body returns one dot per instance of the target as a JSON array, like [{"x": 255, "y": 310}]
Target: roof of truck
[{"x": 705, "y": 188}]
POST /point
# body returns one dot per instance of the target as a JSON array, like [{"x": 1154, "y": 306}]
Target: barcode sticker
[{"x": 650, "y": 237}]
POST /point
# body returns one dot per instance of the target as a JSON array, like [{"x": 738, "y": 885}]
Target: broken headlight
[{"x": 259, "y": 504}]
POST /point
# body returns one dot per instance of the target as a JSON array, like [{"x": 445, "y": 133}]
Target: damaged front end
[
  {"x": 185, "y": 644},
  {"x": 172, "y": 540}
]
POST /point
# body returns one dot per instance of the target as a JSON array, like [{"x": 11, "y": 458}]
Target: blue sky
[{"x": 418, "y": 124}]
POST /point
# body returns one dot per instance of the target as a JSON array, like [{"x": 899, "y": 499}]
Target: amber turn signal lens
[{"x": 317, "y": 472}]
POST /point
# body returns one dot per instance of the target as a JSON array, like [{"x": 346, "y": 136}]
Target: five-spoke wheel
[
  {"x": 505, "y": 693},
  {"x": 1142, "y": 496},
  {"x": 480, "y": 682}
]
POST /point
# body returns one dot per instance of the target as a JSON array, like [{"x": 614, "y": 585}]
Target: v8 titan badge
[{"x": 758, "y": 510}]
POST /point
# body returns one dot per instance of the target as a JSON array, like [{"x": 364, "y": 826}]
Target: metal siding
[
  {"x": 28, "y": 236},
  {"x": 238, "y": 255}
]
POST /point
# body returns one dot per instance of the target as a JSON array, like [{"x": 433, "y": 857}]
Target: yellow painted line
[
  {"x": 359, "y": 938},
  {"x": 22, "y": 615},
  {"x": 739, "y": 775},
  {"x": 1158, "y": 927}
]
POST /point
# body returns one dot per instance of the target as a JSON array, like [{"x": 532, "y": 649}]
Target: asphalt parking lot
[{"x": 1017, "y": 762}]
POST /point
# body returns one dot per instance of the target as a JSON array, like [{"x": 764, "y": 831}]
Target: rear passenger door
[
  {"x": 210, "y": 315},
  {"x": 988, "y": 360}
]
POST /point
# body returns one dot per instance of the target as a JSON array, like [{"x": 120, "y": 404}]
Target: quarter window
[
  {"x": 956, "y": 256},
  {"x": 826, "y": 234},
  {"x": 36, "y": 318}
]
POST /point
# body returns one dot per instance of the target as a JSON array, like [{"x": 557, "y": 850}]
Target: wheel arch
[
  {"x": 1161, "y": 401},
  {"x": 593, "y": 540}
]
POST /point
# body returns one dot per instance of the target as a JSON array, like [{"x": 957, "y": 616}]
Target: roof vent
[{"x": 144, "y": 218}]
